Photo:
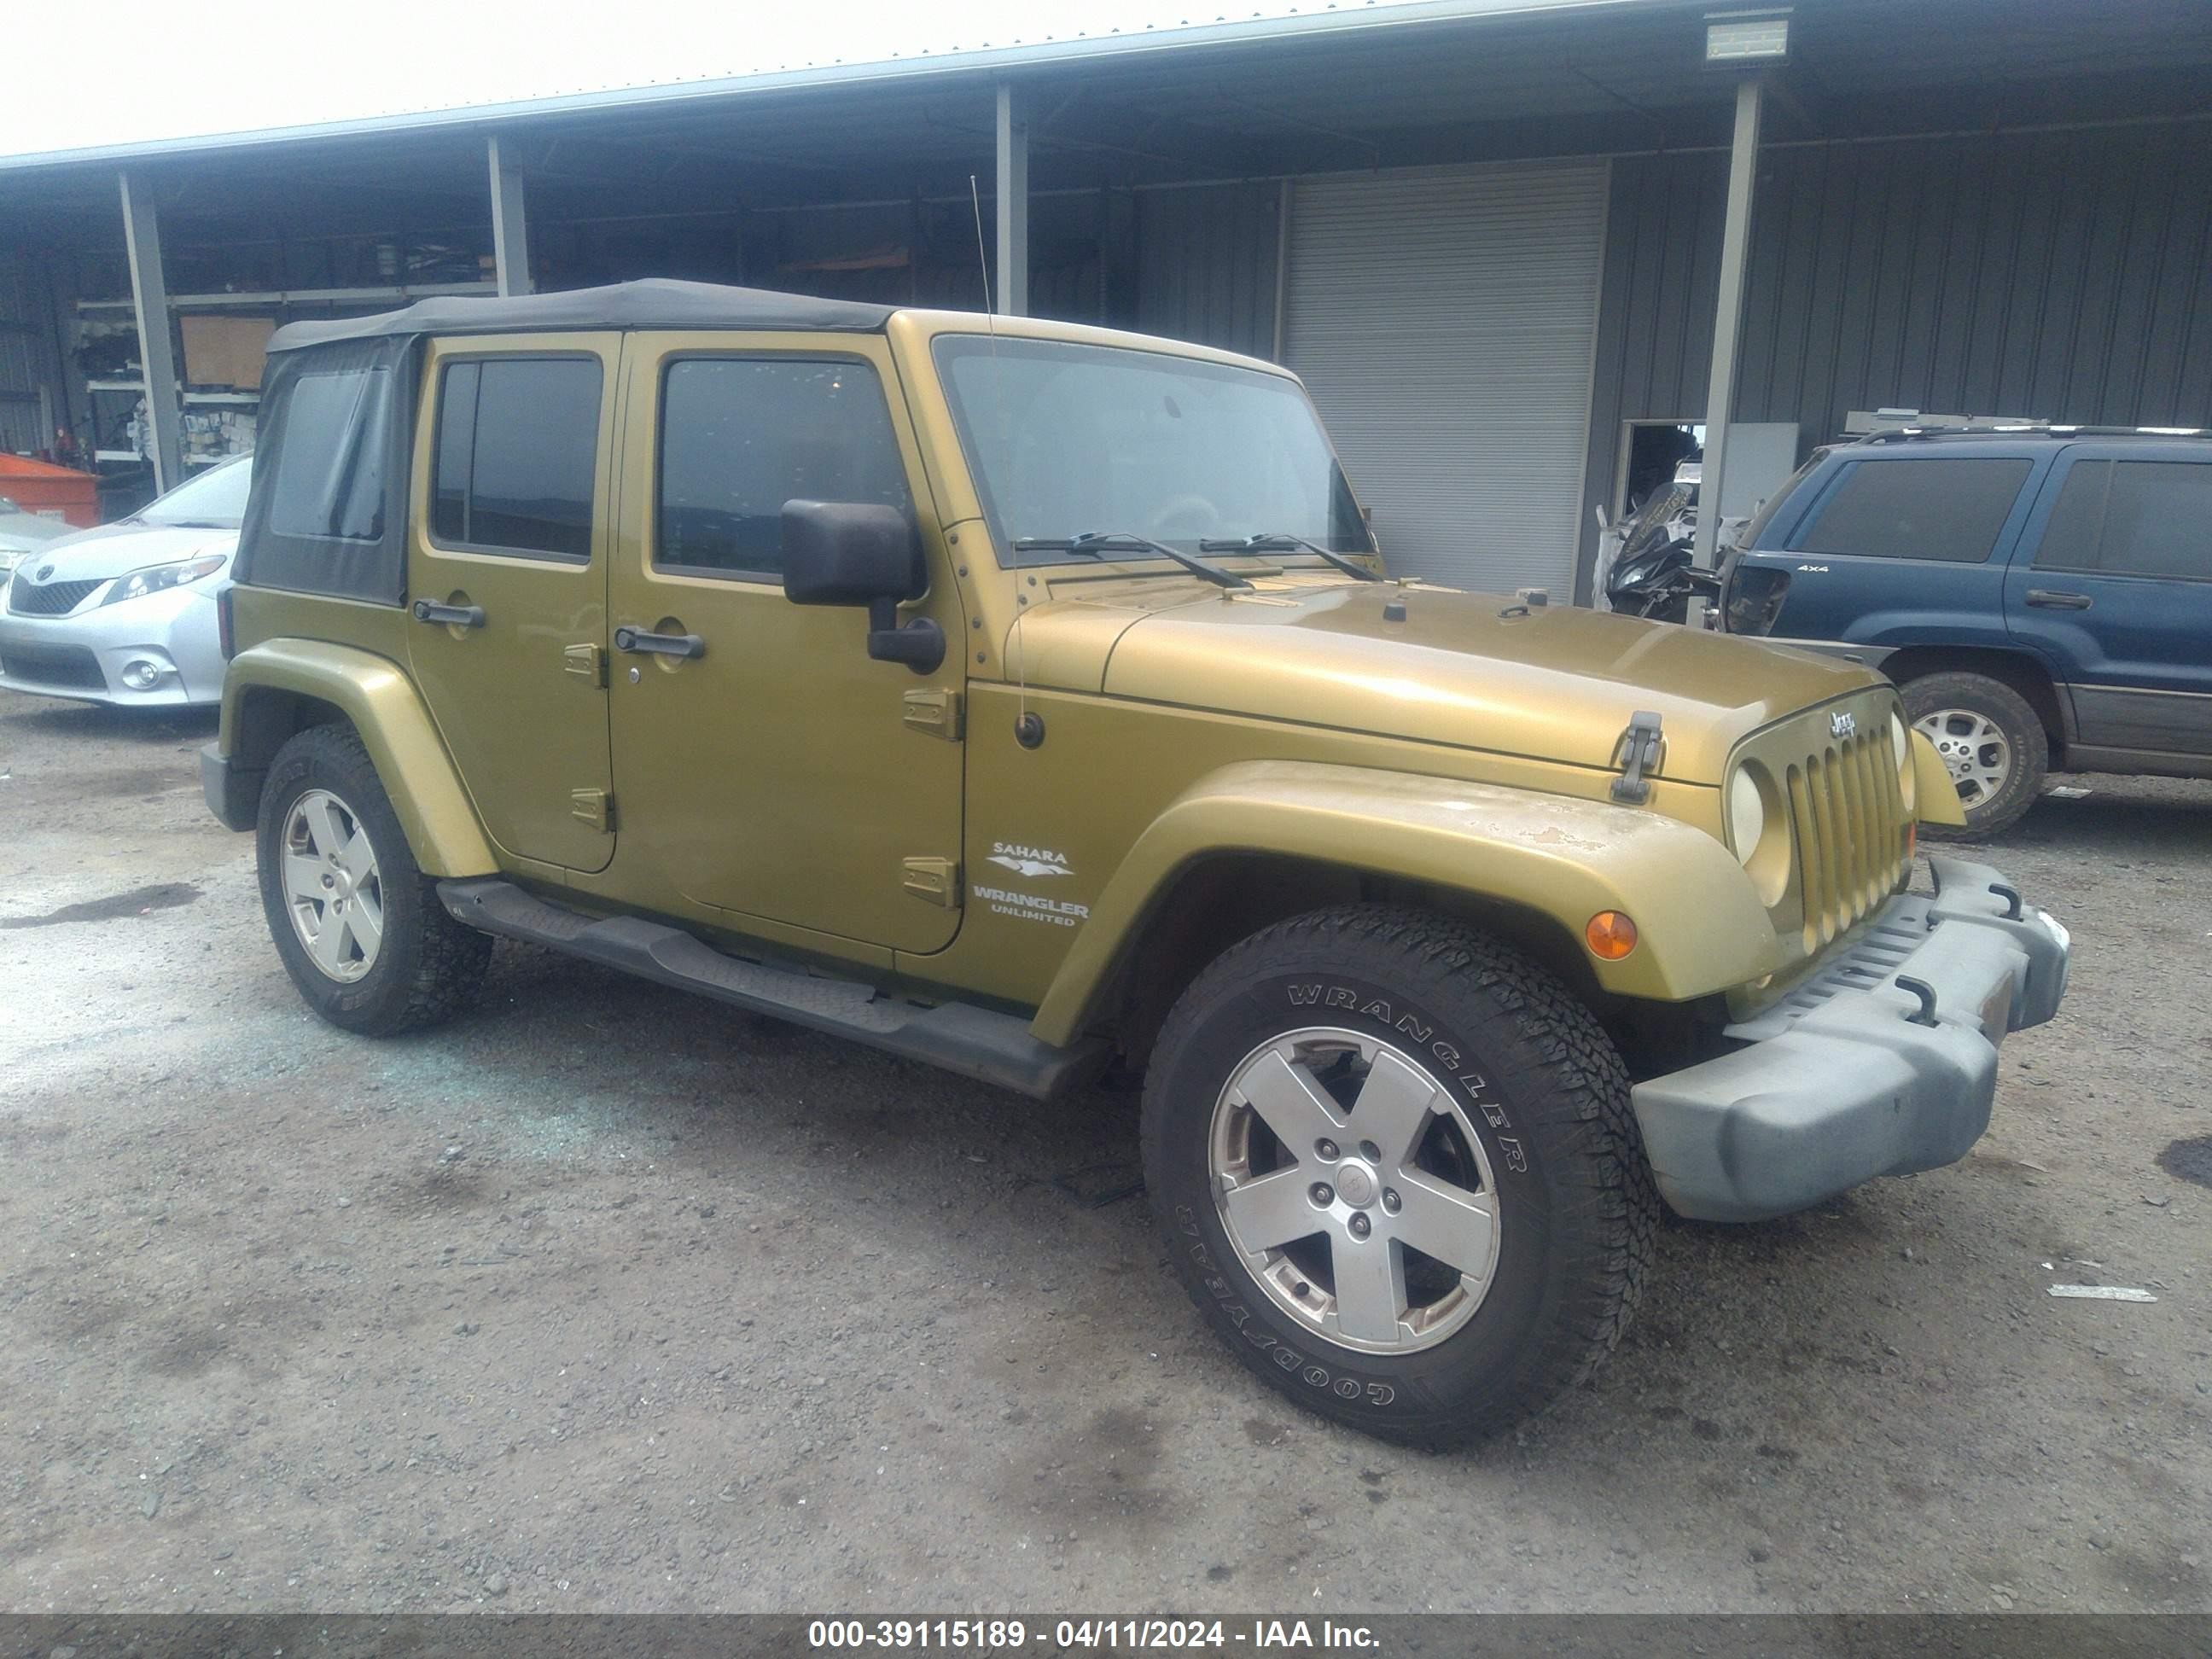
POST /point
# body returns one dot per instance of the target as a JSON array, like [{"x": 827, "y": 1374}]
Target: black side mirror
[{"x": 855, "y": 553}]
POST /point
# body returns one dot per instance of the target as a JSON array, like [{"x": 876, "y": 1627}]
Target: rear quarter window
[
  {"x": 329, "y": 479},
  {"x": 1764, "y": 516},
  {"x": 1950, "y": 510}
]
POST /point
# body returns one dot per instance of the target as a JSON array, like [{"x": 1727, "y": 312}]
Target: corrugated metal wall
[
  {"x": 1205, "y": 265},
  {"x": 2060, "y": 276},
  {"x": 28, "y": 359}
]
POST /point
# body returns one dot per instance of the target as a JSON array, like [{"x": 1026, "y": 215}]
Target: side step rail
[{"x": 976, "y": 1042}]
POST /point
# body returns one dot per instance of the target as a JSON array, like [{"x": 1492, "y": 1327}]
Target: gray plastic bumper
[{"x": 1882, "y": 1063}]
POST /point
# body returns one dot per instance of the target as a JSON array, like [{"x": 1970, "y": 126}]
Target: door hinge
[
  {"x": 587, "y": 661},
  {"x": 937, "y": 880},
  {"x": 935, "y": 712},
  {"x": 593, "y": 807}
]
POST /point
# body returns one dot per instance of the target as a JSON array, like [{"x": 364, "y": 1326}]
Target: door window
[
  {"x": 517, "y": 455},
  {"x": 2132, "y": 518},
  {"x": 741, "y": 436},
  {"x": 1950, "y": 510}
]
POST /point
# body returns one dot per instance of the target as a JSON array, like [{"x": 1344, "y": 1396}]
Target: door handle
[
  {"x": 455, "y": 615},
  {"x": 659, "y": 645},
  {"x": 2049, "y": 599}
]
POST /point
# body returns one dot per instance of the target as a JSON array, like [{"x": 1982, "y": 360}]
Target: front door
[
  {"x": 506, "y": 568},
  {"x": 2118, "y": 595},
  {"x": 764, "y": 765}
]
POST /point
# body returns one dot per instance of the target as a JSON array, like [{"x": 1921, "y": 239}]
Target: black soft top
[{"x": 656, "y": 302}]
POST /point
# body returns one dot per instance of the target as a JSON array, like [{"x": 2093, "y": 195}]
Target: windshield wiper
[
  {"x": 1275, "y": 541},
  {"x": 1098, "y": 543}
]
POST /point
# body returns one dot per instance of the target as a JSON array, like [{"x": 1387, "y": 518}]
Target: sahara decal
[{"x": 1029, "y": 860}]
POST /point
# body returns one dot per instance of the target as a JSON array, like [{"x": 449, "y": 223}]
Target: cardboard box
[{"x": 226, "y": 351}]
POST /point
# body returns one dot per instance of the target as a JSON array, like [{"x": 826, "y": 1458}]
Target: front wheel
[
  {"x": 357, "y": 923},
  {"x": 1397, "y": 1168}
]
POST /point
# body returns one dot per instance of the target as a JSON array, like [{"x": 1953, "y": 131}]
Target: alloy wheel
[
  {"x": 332, "y": 889},
  {"x": 1357, "y": 1193}
]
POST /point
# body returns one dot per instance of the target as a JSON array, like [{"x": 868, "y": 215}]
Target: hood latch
[{"x": 1644, "y": 745}]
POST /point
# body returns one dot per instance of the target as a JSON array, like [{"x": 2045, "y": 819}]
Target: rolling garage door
[{"x": 1445, "y": 319}]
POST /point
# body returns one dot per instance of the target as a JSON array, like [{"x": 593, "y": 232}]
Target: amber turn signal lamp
[{"x": 1610, "y": 934}]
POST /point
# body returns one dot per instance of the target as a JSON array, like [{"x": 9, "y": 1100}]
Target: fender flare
[
  {"x": 1935, "y": 797},
  {"x": 1702, "y": 928},
  {"x": 376, "y": 694}
]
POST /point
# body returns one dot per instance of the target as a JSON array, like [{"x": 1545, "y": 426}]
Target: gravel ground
[{"x": 607, "y": 1298}]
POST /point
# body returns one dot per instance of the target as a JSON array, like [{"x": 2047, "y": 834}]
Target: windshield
[
  {"x": 1066, "y": 440},
  {"x": 217, "y": 496}
]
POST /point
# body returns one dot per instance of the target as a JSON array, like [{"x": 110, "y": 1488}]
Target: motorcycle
[{"x": 1653, "y": 571}]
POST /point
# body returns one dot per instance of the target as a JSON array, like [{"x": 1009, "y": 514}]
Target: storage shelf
[{"x": 300, "y": 296}]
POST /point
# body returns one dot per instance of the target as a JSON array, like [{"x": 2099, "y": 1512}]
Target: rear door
[
  {"x": 507, "y": 572},
  {"x": 2113, "y": 585},
  {"x": 1904, "y": 546}
]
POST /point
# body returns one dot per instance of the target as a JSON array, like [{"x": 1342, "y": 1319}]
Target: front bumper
[
  {"x": 83, "y": 654},
  {"x": 1884, "y": 1062}
]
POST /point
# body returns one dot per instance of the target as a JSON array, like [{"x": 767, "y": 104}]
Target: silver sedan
[{"x": 125, "y": 614}]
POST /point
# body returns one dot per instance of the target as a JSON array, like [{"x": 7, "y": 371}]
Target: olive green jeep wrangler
[{"x": 1027, "y": 699}]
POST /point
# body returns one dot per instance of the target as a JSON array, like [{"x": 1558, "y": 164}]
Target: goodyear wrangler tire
[
  {"x": 358, "y": 924},
  {"x": 1396, "y": 1164}
]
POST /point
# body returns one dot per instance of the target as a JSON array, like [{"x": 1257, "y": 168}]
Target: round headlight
[{"x": 1747, "y": 816}]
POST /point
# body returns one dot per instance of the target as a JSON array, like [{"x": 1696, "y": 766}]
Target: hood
[
  {"x": 22, "y": 531},
  {"x": 1469, "y": 670},
  {"x": 117, "y": 548}
]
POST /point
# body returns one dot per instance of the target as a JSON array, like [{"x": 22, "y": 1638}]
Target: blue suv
[{"x": 2043, "y": 596}]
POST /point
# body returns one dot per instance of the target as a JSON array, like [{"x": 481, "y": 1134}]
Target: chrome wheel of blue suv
[{"x": 1991, "y": 741}]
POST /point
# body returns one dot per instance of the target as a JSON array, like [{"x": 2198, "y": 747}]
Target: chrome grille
[
  {"x": 1847, "y": 811},
  {"x": 27, "y": 598}
]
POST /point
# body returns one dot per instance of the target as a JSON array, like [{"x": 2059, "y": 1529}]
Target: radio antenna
[{"x": 1023, "y": 730}]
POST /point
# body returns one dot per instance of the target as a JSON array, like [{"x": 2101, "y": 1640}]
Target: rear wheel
[
  {"x": 357, "y": 923},
  {"x": 1991, "y": 743},
  {"x": 1397, "y": 1170}
]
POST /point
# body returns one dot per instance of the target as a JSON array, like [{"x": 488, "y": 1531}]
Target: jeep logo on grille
[{"x": 1841, "y": 724}]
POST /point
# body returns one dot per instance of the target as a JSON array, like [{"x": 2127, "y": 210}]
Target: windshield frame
[
  {"x": 944, "y": 345},
  {"x": 146, "y": 515}
]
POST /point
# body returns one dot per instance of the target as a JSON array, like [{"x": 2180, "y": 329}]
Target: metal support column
[
  {"x": 1727, "y": 318},
  {"x": 510, "y": 226},
  {"x": 157, "y": 351},
  {"x": 1013, "y": 199}
]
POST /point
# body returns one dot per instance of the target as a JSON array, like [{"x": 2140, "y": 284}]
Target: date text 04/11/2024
[{"x": 1075, "y": 1634}]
